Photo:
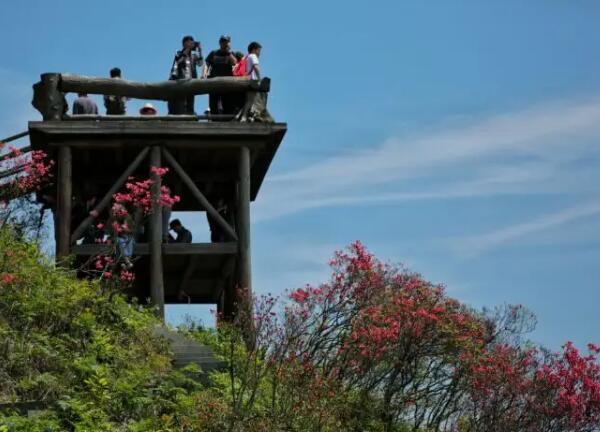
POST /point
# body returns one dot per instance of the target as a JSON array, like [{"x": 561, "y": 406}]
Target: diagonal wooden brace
[
  {"x": 105, "y": 201},
  {"x": 199, "y": 195}
]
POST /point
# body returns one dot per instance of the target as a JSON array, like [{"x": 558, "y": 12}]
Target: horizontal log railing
[
  {"x": 163, "y": 90},
  {"x": 49, "y": 99}
]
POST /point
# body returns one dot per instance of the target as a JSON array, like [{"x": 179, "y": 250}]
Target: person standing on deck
[
  {"x": 84, "y": 105},
  {"x": 115, "y": 105},
  {"x": 219, "y": 63},
  {"x": 252, "y": 64},
  {"x": 184, "y": 67},
  {"x": 239, "y": 70}
]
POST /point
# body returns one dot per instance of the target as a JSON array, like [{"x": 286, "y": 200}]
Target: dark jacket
[{"x": 183, "y": 236}]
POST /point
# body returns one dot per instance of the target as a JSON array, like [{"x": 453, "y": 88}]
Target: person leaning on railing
[{"x": 184, "y": 67}]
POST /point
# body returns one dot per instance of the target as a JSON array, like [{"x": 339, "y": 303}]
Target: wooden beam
[
  {"x": 105, "y": 201},
  {"x": 187, "y": 274},
  {"x": 12, "y": 171},
  {"x": 22, "y": 152},
  {"x": 157, "y": 289},
  {"x": 226, "y": 273},
  {"x": 163, "y": 90},
  {"x": 199, "y": 195},
  {"x": 226, "y": 248},
  {"x": 154, "y": 118},
  {"x": 64, "y": 190},
  {"x": 14, "y": 137},
  {"x": 193, "y": 143},
  {"x": 174, "y": 128}
]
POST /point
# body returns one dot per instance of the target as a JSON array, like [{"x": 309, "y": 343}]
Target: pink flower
[
  {"x": 127, "y": 276},
  {"x": 7, "y": 278},
  {"x": 159, "y": 171}
]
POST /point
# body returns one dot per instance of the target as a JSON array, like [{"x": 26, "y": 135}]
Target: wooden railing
[{"x": 49, "y": 93}]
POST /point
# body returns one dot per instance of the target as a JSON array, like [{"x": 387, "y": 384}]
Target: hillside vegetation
[{"x": 375, "y": 348}]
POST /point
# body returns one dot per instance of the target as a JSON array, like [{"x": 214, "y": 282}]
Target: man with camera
[
  {"x": 184, "y": 67},
  {"x": 219, "y": 63}
]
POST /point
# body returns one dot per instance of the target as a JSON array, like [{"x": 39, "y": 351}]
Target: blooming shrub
[
  {"x": 379, "y": 348},
  {"x": 32, "y": 172},
  {"x": 127, "y": 214}
]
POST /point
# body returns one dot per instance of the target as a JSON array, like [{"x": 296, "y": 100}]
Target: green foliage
[
  {"x": 91, "y": 355},
  {"x": 374, "y": 350}
]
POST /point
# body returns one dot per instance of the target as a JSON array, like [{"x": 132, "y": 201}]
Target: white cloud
[
  {"x": 525, "y": 151},
  {"x": 475, "y": 245}
]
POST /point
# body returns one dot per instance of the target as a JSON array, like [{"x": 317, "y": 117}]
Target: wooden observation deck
[{"x": 210, "y": 162}]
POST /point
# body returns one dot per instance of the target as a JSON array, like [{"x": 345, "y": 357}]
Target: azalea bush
[
  {"x": 378, "y": 348},
  {"x": 127, "y": 216},
  {"x": 31, "y": 172},
  {"x": 375, "y": 348}
]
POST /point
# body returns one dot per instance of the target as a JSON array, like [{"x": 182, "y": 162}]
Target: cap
[
  {"x": 225, "y": 38},
  {"x": 148, "y": 109}
]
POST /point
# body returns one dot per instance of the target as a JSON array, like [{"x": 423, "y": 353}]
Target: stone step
[{"x": 186, "y": 351}]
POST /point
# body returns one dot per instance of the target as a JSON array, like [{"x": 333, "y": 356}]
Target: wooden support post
[
  {"x": 157, "y": 289},
  {"x": 224, "y": 289},
  {"x": 243, "y": 219},
  {"x": 187, "y": 274},
  {"x": 244, "y": 276},
  {"x": 47, "y": 98},
  {"x": 65, "y": 191},
  {"x": 108, "y": 197},
  {"x": 199, "y": 195}
]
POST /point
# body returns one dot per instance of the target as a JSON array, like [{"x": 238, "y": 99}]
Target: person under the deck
[
  {"x": 183, "y": 235},
  {"x": 184, "y": 67},
  {"x": 115, "y": 105},
  {"x": 84, "y": 105},
  {"x": 219, "y": 63}
]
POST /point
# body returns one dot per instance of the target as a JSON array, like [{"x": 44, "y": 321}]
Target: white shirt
[{"x": 251, "y": 60}]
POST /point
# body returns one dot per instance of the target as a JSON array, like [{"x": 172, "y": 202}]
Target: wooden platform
[
  {"x": 208, "y": 151},
  {"x": 215, "y": 166},
  {"x": 193, "y": 273}
]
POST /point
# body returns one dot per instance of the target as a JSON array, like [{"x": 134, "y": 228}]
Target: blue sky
[{"x": 460, "y": 138}]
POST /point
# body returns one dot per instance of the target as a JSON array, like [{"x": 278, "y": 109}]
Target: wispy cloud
[
  {"x": 478, "y": 244},
  {"x": 526, "y": 151}
]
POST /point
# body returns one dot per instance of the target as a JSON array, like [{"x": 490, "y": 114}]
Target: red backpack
[{"x": 240, "y": 68}]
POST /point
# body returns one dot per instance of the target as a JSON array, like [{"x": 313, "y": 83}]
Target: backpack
[{"x": 239, "y": 69}]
